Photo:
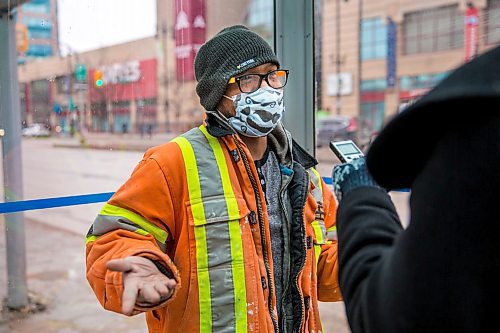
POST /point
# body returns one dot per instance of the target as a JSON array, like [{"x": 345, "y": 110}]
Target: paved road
[{"x": 55, "y": 239}]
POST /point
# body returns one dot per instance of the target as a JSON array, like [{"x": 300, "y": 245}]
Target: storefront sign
[
  {"x": 471, "y": 32},
  {"x": 126, "y": 72},
  {"x": 339, "y": 84},
  {"x": 126, "y": 81},
  {"x": 190, "y": 25}
]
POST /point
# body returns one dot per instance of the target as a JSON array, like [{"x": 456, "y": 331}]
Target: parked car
[
  {"x": 36, "y": 130},
  {"x": 335, "y": 128}
]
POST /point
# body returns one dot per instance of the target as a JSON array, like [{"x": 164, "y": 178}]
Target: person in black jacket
[{"x": 441, "y": 274}]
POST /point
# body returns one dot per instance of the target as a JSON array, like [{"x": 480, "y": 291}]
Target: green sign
[{"x": 80, "y": 73}]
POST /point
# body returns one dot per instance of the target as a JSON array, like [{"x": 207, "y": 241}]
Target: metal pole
[
  {"x": 294, "y": 45},
  {"x": 338, "y": 102},
  {"x": 70, "y": 115},
  {"x": 360, "y": 60},
  {"x": 10, "y": 113},
  {"x": 81, "y": 105}
]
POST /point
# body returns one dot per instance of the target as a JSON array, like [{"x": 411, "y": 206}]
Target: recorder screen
[{"x": 348, "y": 148}]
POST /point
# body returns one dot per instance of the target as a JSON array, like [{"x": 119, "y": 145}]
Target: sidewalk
[
  {"x": 55, "y": 269},
  {"x": 109, "y": 141}
]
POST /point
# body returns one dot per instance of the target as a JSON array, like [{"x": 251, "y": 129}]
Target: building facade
[
  {"x": 38, "y": 19},
  {"x": 388, "y": 53}
]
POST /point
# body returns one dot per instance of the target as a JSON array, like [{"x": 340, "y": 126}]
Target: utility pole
[
  {"x": 360, "y": 60},
  {"x": 76, "y": 80},
  {"x": 10, "y": 113},
  {"x": 338, "y": 102}
]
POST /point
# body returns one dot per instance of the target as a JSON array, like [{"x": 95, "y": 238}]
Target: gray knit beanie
[{"x": 232, "y": 51}]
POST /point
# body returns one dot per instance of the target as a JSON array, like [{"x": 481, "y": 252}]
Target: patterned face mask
[{"x": 257, "y": 113}]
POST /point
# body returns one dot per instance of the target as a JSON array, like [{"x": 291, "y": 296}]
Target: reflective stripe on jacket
[{"x": 195, "y": 205}]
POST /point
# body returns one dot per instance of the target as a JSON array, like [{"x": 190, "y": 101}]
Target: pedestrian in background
[
  {"x": 441, "y": 273},
  {"x": 227, "y": 228}
]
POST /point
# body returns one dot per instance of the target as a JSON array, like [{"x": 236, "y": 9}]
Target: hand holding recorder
[{"x": 352, "y": 173}]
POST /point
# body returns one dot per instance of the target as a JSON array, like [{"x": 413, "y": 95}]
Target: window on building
[
  {"x": 63, "y": 84},
  {"x": 37, "y": 23},
  {"x": 372, "y": 117},
  {"x": 40, "y": 33},
  {"x": 493, "y": 22},
  {"x": 37, "y": 50},
  {"x": 38, "y": 7},
  {"x": 40, "y": 106},
  {"x": 374, "y": 85},
  {"x": 421, "y": 81},
  {"x": 433, "y": 30},
  {"x": 373, "y": 39}
]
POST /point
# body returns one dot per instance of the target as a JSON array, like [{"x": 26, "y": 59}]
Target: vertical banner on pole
[
  {"x": 471, "y": 32},
  {"x": 199, "y": 24},
  {"x": 391, "y": 53},
  {"x": 189, "y": 35}
]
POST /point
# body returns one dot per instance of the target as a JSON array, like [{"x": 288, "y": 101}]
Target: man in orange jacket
[{"x": 228, "y": 227}]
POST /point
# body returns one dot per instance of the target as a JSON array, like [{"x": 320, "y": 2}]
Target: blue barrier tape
[
  {"x": 18, "y": 206},
  {"x": 329, "y": 181}
]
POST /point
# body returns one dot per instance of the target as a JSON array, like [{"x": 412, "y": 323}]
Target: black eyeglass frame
[{"x": 265, "y": 77}]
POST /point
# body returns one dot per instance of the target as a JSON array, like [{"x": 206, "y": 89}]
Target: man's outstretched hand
[{"x": 143, "y": 283}]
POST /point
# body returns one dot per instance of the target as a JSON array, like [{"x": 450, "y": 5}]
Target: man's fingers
[
  {"x": 165, "y": 289},
  {"x": 171, "y": 284},
  {"x": 162, "y": 289},
  {"x": 129, "y": 296},
  {"x": 149, "y": 294},
  {"x": 119, "y": 265}
]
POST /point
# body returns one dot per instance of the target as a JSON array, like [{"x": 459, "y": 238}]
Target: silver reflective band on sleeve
[
  {"x": 114, "y": 218},
  {"x": 315, "y": 177},
  {"x": 331, "y": 233}
]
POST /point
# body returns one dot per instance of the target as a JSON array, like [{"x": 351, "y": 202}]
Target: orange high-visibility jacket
[{"x": 195, "y": 206}]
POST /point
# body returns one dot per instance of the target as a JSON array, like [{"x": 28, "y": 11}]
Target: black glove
[{"x": 349, "y": 176}]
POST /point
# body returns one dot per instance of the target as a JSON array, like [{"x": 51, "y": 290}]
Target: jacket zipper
[
  {"x": 302, "y": 264},
  {"x": 301, "y": 268},
  {"x": 260, "y": 219},
  {"x": 285, "y": 289}
]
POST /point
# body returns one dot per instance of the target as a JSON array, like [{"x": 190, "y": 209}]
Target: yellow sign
[{"x": 21, "y": 38}]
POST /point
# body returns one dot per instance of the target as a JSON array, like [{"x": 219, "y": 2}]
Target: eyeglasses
[{"x": 248, "y": 83}]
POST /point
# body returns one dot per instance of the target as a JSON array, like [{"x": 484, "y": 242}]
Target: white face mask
[{"x": 258, "y": 112}]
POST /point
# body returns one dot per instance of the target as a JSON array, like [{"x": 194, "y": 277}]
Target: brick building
[{"x": 406, "y": 48}]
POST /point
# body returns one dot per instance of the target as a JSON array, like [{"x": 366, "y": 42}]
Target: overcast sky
[{"x": 90, "y": 24}]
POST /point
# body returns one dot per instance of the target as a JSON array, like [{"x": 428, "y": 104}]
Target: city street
[{"x": 55, "y": 239}]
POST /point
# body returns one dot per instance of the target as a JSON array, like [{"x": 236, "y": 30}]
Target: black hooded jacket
[{"x": 441, "y": 273}]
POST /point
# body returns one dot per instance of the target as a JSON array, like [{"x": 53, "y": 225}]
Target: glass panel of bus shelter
[
  {"x": 356, "y": 98},
  {"x": 116, "y": 80},
  {"x": 398, "y": 40},
  {"x": 113, "y": 94}
]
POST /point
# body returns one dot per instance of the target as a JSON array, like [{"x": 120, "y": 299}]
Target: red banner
[
  {"x": 189, "y": 28},
  {"x": 471, "y": 32}
]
